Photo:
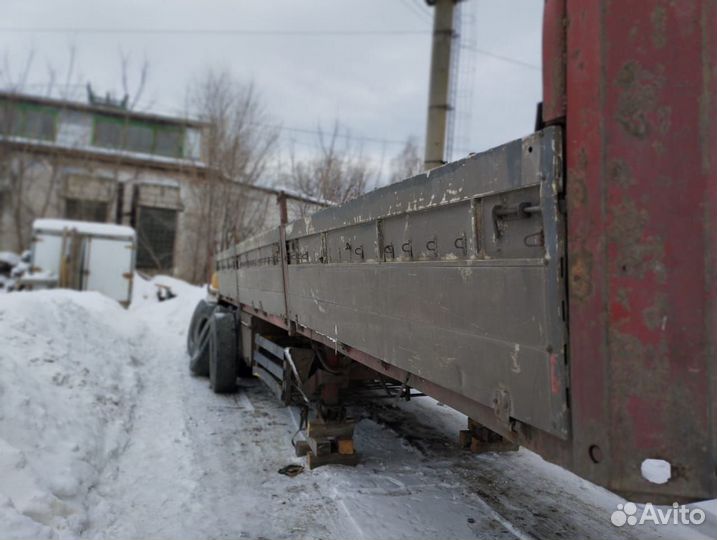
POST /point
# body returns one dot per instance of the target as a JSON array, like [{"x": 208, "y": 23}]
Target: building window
[
  {"x": 39, "y": 123},
  {"x": 8, "y": 118},
  {"x": 28, "y": 120},
  {"x": 108, "y": 132},
  {"x": 138, "y": 136},
  {"x": 156, "y": 231},
  {"x": 84, "y": 210},
  {"x": 168, "y": 142}
]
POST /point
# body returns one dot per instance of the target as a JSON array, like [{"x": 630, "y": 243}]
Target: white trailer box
[{"x": 85, "y": 256}]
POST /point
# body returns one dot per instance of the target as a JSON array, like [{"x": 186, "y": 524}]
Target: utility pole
[{"x": 438, "y": 103}]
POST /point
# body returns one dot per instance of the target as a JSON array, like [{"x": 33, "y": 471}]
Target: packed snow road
[{"x": 104, "y": 434}]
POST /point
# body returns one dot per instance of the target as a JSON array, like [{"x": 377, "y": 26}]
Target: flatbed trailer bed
[{"x": 560, "y": 290}]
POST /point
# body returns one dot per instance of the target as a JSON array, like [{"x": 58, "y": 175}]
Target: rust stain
[
  {"x": 655, "y": 316},
  {"x": 576, "y": 191},
  {"x": 623, "y": 298},
  {"x": 638, "y": 98},
  {"x": 619, "y": 173},
  {"x": 658, "y": 18},
  {"x": 581, "y": 287},
  {"x": 631, "y": 357},
  {"x": 644, "y": 381},
  {"x": 664, "y": 119},
  {"x": 554, "y": 377},
  {"x": 636, "y": 254}
]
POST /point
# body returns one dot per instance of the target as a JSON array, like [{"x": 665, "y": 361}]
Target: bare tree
[
  {"x": 339, "y": 173},
  {"x": 131, "y": 98},
  {"x": 30, "y": 178},
  {"x": 16, "y": 83},
  {"x": 239, "y": 142},
  {"x": 28, "y": 181},
  {"x": 407, "y": 163}
]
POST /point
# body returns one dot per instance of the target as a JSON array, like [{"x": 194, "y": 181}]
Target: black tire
[
  {"x": 198, "y": 328},
  {"x": 223, "y": 352}
]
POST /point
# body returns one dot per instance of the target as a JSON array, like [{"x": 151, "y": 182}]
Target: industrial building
[{"x": 98, "y": 161}]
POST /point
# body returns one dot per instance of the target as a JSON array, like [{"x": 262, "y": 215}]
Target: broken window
[{"x": 156, "y": 232}]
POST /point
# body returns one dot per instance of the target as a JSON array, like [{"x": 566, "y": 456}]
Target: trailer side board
[{"x": 455, "y": 276}]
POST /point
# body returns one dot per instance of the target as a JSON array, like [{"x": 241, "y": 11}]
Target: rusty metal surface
[
  {"x": 554, "y": 61},
  {"x": 641, "y": 187},
  {"x": 488, "y": 229}
]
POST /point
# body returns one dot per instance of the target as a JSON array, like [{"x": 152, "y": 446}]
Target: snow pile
[
  {"x": 67, "y": 388},
  {"x": 11, "y": 266},
  {"x": 144, "y": 291},
  {"x": 9, "y": 259}
]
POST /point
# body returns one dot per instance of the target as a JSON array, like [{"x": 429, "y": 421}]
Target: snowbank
[
  {"x": 9, "y": 258},
  {"x": 144, "y": 291},
  {"x": 67, "y": 387}
]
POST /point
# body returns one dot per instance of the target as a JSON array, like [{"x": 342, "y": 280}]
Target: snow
[
  {"x": 99, "y": 151},
  {"x": 294, "y": 194},
  {"x": 104, "y": 434},
  {"x": 83, "y": 227},
  {"x": 9, "y": 258},
  {"x": 68, "y": 382}
]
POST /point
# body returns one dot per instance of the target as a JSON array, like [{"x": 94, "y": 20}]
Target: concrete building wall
[
  {"x": 61, "y": 159},
  {"x": 59, "y": 187}
]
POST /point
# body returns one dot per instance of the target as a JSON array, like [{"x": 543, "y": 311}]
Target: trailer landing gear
[{"x": 328, "y": 443}]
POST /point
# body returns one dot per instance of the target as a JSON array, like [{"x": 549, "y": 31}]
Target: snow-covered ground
[{"x": 104, "y": 434}]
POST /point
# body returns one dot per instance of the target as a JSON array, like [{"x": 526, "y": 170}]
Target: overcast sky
[{"x": 374, "y": 84}]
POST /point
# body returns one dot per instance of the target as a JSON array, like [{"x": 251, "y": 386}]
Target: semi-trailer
[{"x": 560, "y": 290}]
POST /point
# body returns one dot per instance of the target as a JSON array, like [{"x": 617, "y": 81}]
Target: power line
[
  {"x": 412, "y": 8},
  {"x": 254, "y": 33},
  {"x": 424, "y": 10},
  {"x": 348, "y": 136},
  {"x": 217, "y": 31},
  {"x": 501, "y": 57}
]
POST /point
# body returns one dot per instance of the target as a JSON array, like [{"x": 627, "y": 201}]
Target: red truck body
[{"x": 635, "y": 85}]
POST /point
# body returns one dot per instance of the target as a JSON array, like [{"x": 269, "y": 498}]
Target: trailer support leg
[
  {"x": 480, "y": 439},
  {"x": 328, "y": 442}
]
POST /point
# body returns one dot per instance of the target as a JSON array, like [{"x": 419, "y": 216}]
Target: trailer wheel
[
  {"x": 222, "y": 352},
  {"x": 198, "y": 338}
]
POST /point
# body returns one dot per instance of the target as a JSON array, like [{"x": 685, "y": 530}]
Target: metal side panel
[
  {"x": 226, "y": 264},
  {"x": 250, "y": 273},
  {"x": 439, "y": 333},
  {"x": 262, "y": 289},
  {"x": 456, "y": 276},
  {"x": 641, "y": 154}
]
